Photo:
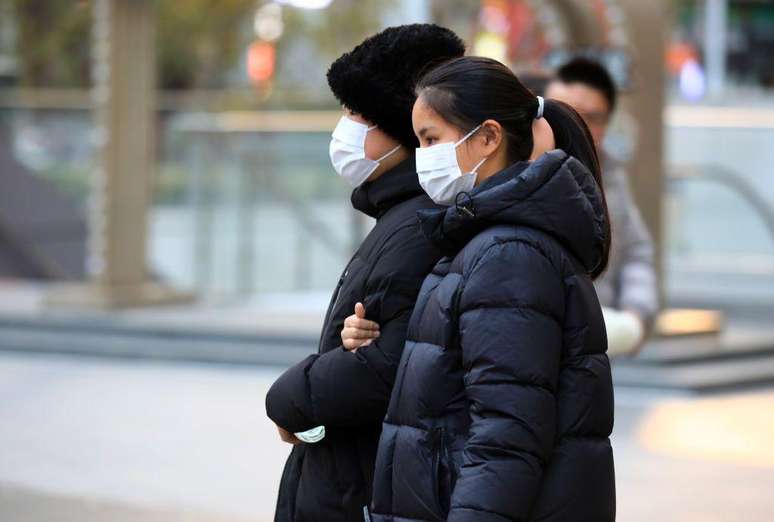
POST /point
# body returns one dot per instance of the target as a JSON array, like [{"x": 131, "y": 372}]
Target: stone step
[
  {"x": 729, "y": 346},
  {"x": 155, "y": 345},
  {"x": 698, "y": 376},
  {"x": 195, "y": 327}
]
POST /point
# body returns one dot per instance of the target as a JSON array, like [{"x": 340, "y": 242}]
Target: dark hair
[
  {"x": 376, "y": 79},
  {"x": 466, "y": 91},
  {"x": 590, "y": 73},
  {"x": 471, "y": 89},
  {"x": 572, "y": 135}
]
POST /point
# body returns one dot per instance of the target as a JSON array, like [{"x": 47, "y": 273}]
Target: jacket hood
[
  {"x": 394, "y": 186},
  {"x": 555, "y": 194}
]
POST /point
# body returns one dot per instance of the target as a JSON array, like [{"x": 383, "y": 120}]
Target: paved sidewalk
[
  {"x": 136, "y": 439},
  {"x": 97, "y": 440},
  {"x": 25, "y": 505},
  {"x": 133, "y": 439}
]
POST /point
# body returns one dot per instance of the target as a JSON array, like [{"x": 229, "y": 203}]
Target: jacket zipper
[
  {"x": 438, "y": 444},
  {"x": 332, "y": 306},
  {"x": 338, "y": 289}
]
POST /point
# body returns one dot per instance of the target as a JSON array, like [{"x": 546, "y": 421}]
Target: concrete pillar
[
  {"x": 124, "y": 101},
  {"x": 715, "y": 36},
  {"x": 647, "y": 24},
  {"x": 580, "y": 23}
]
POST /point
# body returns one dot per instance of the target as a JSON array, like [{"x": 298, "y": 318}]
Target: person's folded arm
[{"x": 349, "y": 388}]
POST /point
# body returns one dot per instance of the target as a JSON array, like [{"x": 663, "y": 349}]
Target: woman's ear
[{"x": 492, "y": 132}]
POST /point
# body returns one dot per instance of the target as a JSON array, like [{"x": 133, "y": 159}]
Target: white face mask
[
  {"x": 347, "y": 152},
  {"x": 440, "y": 174}
]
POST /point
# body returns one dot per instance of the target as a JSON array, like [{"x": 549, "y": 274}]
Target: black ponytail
[{"x": 573, "y": 137}]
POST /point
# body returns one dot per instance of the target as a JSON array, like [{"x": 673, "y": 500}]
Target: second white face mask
[
  {"x": 347, "y": 152},
  {"x": 440, "y": 174}
]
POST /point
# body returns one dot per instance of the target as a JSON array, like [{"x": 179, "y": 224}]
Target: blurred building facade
[{"x": 243, "y": 200}]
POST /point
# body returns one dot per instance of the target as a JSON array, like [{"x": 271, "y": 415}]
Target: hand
[
  {"x": 288, "y": 437},
  {"x": 642, "y": 337},
  {"x": 625, "y": 332},
  {"x": 358, "y": 331}
]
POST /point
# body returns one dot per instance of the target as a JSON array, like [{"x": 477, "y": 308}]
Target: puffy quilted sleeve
[
  {"x": 341, "y": 388},
  {"x": 510, "y": 323}
]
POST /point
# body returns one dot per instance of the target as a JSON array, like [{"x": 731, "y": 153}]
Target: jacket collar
[
  {"x": 394, "y": 186},
  {"x": 555, "y": 194}
]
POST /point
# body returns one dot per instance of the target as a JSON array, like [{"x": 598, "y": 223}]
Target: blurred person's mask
[
  {"x": 347, "y": 152},
  {"x": 440, "y": 174}
]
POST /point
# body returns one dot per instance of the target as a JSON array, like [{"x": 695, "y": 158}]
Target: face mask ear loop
[
  {"x": 479, "y": 164},
  {"x": 468, "y": 135},
  {"x": 372, "y": 127},
  {"x": 388, "y": 154}
]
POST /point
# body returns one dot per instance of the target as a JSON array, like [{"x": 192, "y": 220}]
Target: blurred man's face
[{"x": 590, "y": 104}]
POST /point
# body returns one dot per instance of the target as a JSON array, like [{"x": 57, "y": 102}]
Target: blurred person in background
[
  {"x": 535, "y": 80},
  {"x": 503, "y": 403},
  {"x": 330, "y": 406},
  {"x": 628, "y": 290}
]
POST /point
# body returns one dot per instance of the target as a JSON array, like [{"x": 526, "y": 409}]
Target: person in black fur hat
[{"x": 330, "y": 406}]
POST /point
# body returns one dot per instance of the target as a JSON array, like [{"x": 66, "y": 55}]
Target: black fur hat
[{"x": 377, "y": 78}]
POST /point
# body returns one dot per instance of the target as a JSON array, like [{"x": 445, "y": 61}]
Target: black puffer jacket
[
  {"x": 346, "y": 392},
  {"x": 503, "y": 402}
]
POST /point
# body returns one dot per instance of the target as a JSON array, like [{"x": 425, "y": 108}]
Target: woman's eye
[{"x": 430, "y": 141}]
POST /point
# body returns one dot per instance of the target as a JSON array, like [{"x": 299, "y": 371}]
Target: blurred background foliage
[
  {"x": 52, "y": 42},
  {"x": 201, "y": 43},
  {"x": 202, "y": 49}
]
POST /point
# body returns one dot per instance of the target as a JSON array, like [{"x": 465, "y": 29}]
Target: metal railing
[
  {"x": 732, "y": 181},
  {"x": 231, "y": 145}
]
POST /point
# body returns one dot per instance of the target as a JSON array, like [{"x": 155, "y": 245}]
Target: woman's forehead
[{"x": 424, "y": 111}]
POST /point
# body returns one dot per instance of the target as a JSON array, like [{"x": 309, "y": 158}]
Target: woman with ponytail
[{"x": 503, "y": 402}]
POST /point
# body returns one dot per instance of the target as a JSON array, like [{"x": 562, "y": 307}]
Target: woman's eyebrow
[{"x": 424, "y": 130}]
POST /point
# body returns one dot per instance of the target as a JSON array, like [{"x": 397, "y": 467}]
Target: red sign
[{"x": 260, "y": 62}]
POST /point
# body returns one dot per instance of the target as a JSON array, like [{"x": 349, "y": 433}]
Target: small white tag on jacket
[{"x": 366, "y": 514}]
